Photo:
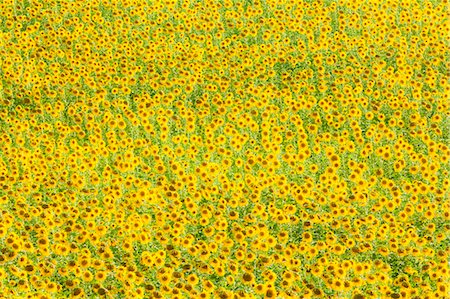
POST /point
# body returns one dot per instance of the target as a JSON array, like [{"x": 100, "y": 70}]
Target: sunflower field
[{"x": 224, "y": 149}]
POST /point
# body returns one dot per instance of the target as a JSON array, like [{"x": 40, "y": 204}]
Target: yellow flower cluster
[{"x": 224, "y": 149}]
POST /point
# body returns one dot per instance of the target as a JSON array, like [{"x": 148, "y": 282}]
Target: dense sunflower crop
[{"x": 224, "y": 149}]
